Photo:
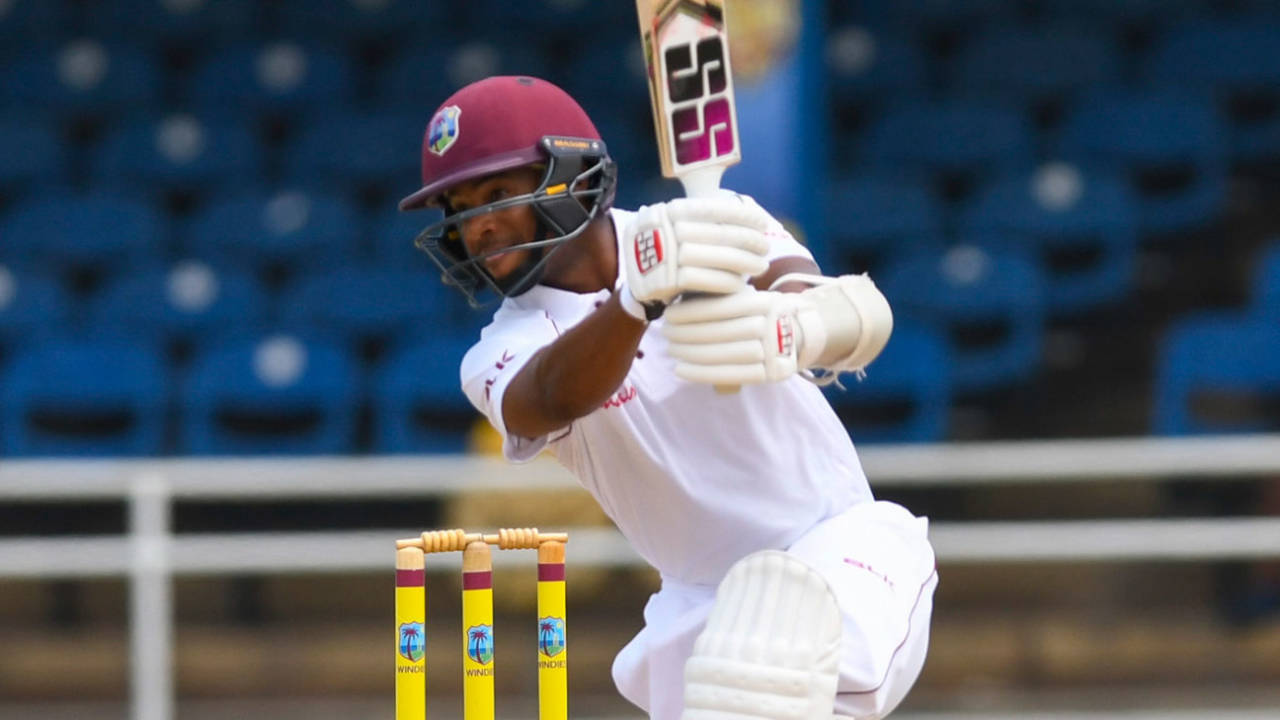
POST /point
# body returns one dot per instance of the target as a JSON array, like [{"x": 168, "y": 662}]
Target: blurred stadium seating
[
  {"x": 903, "y": 397},
  {"x": 1070, "y": 204},
  {"x": 252, "y": 147},
  {"x": 73, "y": 397},
  {"x": 270, "y": 394},
  {"x": 988, "y": 302}
]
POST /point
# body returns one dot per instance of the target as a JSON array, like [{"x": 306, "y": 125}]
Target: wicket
[{"x": 478, "y": 655}]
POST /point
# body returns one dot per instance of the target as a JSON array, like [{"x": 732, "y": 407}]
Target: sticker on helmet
[{"x": 444, "y": 129}]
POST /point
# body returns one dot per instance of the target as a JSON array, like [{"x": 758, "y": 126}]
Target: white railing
[{"x": 146, "y": 552}]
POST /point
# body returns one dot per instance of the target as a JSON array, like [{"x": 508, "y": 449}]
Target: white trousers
[{"x": 878, "y": 561}]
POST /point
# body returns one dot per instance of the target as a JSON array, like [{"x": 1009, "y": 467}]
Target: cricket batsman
[{"x": 788, "y": 591}]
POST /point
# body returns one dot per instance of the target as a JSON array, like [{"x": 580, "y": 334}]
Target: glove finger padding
[
  {"x": 704, "y": 280},
  {"x": 708, "y": 309},
  {"x": 719, "y": 257},
  {"x": 743, "y": 328},
  {"x": 728, "y": 208},
  {"x": 721, "y": 375},
  {"x": 746, "y": 338},
  {"x": 733, "y": 352},
  {"x": 709, "y": 245},
  {"x": 736, "y": 236}
]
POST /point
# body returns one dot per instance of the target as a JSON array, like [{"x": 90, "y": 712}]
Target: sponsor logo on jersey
[
  {"x": 413, "y": 641},
  {"x": 550, "y": 636},
  {"x": 480, "y": 643},
  {"x": 444, "y": 129}
]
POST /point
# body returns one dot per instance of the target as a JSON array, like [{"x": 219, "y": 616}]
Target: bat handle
[
  {"x": 705, "y": 182},
  {"x": 702, "y": 182}
]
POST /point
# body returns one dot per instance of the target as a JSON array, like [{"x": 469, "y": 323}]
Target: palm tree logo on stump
[
  {"x": 550, "y": 636},
  {"x": 412, "y": 641},
  {"x": 480, "y": 643}
]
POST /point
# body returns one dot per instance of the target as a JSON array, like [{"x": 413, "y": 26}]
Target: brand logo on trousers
[{"x": 863, "y": 566}]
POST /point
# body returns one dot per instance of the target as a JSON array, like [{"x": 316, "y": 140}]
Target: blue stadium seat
[
  {"x": 362, "y": 149},
  {"x": 420, "y": 77},
  {"x": 1033, "y": 66},
  {"x": 417, "y": 399},
  {"x": 1142, "y": 13},
  {"x": 906, "y": 394},
  {"x": 1171, "y": 147},
  {"x": 1083, "y": 225},
  {"x": 177, "y": 24},
  {"x": 386, "y": 20},
  {"x": 934, "y": 139},
  {"x": 554, "y": 19},
  {"x": 1238, "y": 63},
  {"x": 362, "y": 304},
  {"x": 273, "y": 77},
  {"x": 623, "y": 90},
  {"x": 394, "y": 233},
  {"x": 1218, "y": 373},
  {"x": 1266, "y": 283},
  {"x": 84, "y": 77},
  {"x": 871, "y": 215},
  {"x": 923, "y": 14},
  {"x": 86, "y": 231},
  {"x": 270, "y": 394},
  {"x": 179, "y": 152},
  {"x": 84, "y": 397},
  {"x": 869, "y": 65},
  {"x": 188, "y": 302},
  {"x": 32, "y": 151},
  {"x": 291, "y": 228},
  {"x": 990, "y": 303},
  {"x": 31, "y": 305},
  {"x": 30, "y": 22},
  {"x": 867, "y": 69}
]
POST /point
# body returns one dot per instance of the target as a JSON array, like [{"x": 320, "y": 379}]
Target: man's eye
[{"x": 498, "y": 194}]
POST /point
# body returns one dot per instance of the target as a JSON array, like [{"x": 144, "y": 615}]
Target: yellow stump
[
  {"x": 553, "y": 652},
  {"x": 411, "y": 639},
  {"x": 477, "y": 632}
]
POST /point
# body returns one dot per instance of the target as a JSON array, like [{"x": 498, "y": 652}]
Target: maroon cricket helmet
[{"x": 493, "y": 125}]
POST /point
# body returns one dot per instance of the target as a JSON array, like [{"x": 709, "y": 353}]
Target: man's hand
[
  {"x": 705, "y": 245},
  {"x": 741, "y": 339},
  {"x": 838, "y": 324}
]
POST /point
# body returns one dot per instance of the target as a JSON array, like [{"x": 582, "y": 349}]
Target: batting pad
[{"x": 771, "y": 647}]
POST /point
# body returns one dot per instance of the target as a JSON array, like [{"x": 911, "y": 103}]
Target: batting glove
[
  {"x": 745, "y": 338},
  {"x": 705, "y": 245},
  {"x": 838, "y": 324}
]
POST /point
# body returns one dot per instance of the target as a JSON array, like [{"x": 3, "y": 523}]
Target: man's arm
[
  {"x": 783, "y": 266},
  {"x": 578, "y": 372},
  {"x": 686, "y": 245},
  {"x": 573, "y": 375}
]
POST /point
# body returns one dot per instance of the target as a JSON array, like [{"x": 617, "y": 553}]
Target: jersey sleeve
[{"x": 505, "y": 347}]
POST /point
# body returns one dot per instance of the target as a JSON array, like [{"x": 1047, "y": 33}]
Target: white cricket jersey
[{"x": 693, "y": 478}]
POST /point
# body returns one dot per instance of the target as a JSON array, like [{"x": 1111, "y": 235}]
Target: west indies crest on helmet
[{"x": 498, "y": 124}]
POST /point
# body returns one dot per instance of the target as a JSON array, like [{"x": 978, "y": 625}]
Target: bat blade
[
  {"x": 686, "y": 52},
  {"x": 690, "y": 89}
]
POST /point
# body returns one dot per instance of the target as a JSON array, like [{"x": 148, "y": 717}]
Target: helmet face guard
[{"x": 578, "y": 187}]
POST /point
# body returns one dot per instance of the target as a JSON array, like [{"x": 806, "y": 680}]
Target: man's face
[{"x": 493, "y": 231}]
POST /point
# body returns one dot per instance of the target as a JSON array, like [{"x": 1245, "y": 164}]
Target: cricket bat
[{"x": 686, "y": 51}]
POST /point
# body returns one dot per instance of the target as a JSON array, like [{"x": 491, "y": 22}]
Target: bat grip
[{"x": 705, "y": 182}]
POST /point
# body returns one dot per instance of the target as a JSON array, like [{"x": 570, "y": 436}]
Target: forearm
[
  {"x": 574, "y": 375},
  {"x": 783, "y": 266}
]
